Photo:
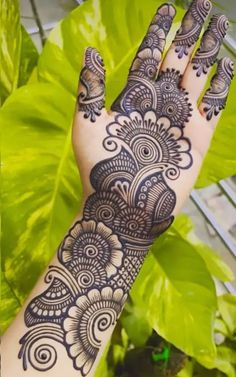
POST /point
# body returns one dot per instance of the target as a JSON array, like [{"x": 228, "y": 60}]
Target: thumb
[{"x": 91, "y": 92}]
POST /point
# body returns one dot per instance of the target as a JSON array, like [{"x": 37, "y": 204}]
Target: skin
[{"x": 138, "y": 163}]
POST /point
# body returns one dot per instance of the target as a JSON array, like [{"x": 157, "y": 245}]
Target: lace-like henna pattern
[
  {"x": 216, "y": 96},
  {"x": 91, "y": 96},
  {"x": 191, "y": 26},
  {"x": 206, "y": 55}
]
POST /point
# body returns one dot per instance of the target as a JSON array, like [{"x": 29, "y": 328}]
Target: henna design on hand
[
  {"x": 191, "y": 26},
  {"x": 163, "y": 95},
  {"x": 216, "y": 97},
  {"x": 133, "y": 199},
  {"x": 92, "y": 82},
  {"x": 100, "y": 258},
  {"x": 211, "y": 41},
  {"x": 148, "y": 57}
]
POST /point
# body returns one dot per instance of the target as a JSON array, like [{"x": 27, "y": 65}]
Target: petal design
[
  {"x": 91, "y": 251},
  {"x": 152, "y": 140},
  {"x": 87, "y": 321}
]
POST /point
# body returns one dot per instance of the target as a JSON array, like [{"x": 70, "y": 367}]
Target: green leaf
[
  {"x": 216, "y": 266},
  {"x": 18, "y": 53},
  {"x": 183, "y": 227},
  {"x": 28, "y": 57},
  {"x": 10, "y": 42},
  {"x": 136, "y": 325},
  {"x": 176, "y": 290},
  {"x": 225, "y": 361},
  {"x": 227, "y": 308},
  {"x": 99, "y": 24},
  {"x": 220, "y": 161},
  {"x": 41, "y": 187}
]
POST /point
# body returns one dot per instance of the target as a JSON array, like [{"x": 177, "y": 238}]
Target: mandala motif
[
  {"x": 91, "y": 241},
  {"x": 175, "y": 105},
  {"x": 88, "y": 320},
  {"x": 151, "y": 140},
  {"x": 103, "y": 206},
  {"x": 133, "y": 222},
  {"x": 87, "y": 272}
]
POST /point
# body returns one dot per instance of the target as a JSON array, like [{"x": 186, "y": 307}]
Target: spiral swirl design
[
  {"x": 172, "y": 172},
  {"x": 203, "y": 7},
  {"x": 85, "y": 279},
  {"x": 42, "y": 356},
  {"x": 146, "y": 150},
  {"x": 100, "y": 322},
  {"x": 110, "y": 144}
]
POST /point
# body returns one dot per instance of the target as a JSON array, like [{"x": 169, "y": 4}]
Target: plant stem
[{"x": 38, "y": 22}]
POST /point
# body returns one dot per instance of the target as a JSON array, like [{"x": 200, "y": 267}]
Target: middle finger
[{"x": 182, "y": 47}]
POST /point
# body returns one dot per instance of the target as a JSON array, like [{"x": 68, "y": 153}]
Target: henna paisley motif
[
  {"x": 206, "y": 55},
  {"x": 215, "y": 98},
  {"x": 91, "y": 96},
  {"x": 191, "y": 26}
]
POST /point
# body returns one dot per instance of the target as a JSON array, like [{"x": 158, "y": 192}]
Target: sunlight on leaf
[
  {"x": 175, "y": 287},
  {"x": 41, "y": 189}
]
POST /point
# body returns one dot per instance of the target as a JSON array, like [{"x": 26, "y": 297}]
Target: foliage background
[{"x": 174, "y": 295}]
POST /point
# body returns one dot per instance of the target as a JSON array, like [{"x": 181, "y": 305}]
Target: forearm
[{"x": 70, "y": 315}]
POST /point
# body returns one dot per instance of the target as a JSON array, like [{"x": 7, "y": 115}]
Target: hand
[
  {"x": 149, "y": 148},
  {"x": 138, "y": 163}
]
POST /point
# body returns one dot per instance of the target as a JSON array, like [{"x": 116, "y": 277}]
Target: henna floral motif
[
  {"x": 215, "y": 98},
  {"x": 91, "y": 241},
  {"x": 92, "y": 315},
  {"x": 164, "y": 96}
]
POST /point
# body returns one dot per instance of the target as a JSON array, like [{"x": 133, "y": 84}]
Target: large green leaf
[
  {"x": 183, "y": 227},
  {"x": 117, "y": 31},
  {"x": 176, "y": 290},
  {"x": 18, "y": 54},
  {"x": 41, "y": 185},
  {"x": 28, "y": 57},
  {"x": 227, "y": 309},
  {"x": 220, "y": 161},
  {"x": 10, "y": 42}
]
